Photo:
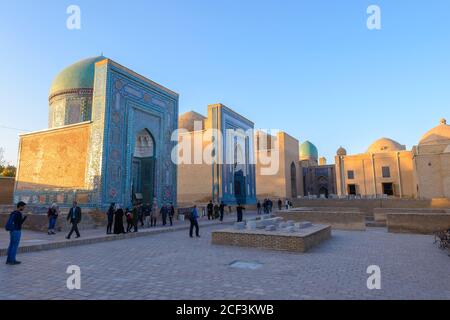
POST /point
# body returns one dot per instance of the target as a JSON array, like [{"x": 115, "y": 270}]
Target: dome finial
[{"x": 443, "y": 121}]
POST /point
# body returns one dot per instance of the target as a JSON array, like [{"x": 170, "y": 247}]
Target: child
[{"x": 129, "y": 217}]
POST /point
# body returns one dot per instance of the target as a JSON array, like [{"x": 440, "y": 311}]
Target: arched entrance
[
  {"x": 143, "y": 184},
  {"x": 240, "y": 192},
  {"x": 323, "y": 186},
  {"x": 323, "y": 192},
  {"x": 293, "y": 180}
]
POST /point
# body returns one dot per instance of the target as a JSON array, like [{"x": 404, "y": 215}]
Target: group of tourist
[
  {"x": 266, "y": 206},
  {"x": 74, "y": 218},
  {"x": 145, "y": 215},
  {"x": 215, "y": 211}
]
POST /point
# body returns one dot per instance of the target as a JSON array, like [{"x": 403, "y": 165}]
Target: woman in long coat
[
  {"x": 118, "y": 221},
  {"x": 155, "y": 213}
]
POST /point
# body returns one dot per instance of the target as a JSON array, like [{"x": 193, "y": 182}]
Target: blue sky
[{"x": 310, "y": 68}]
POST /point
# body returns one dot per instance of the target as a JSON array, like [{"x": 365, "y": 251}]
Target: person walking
[
  {"x": 194, "y": 223},
  {"x": 240, "y": 212},
  {"x": 147, "y": 209},
  {"x": 118, "y": 220},
  {"x": 164, "y": 212},
  {"x": 14, "y": 226},
  {"x": 258, "y": 207},
  {"x": 286, "y": 203},
  {"x": 135, "y": 215},
  {"x": 171, "y": 213},
  {"x": 222, "y": 210},
  {"x": 129, "y": 218},
  {"x": 210, "y": 209},
  {"x": 110, "y": 216},
  {"x": 280, "y": 204},
  {"x": 74, "y": 218},
  {"x": 141, "y": 214},
  {"x": 155, "y": 213},
  {"x": 216, "y": 211},
  {"x": 52, "y": 215}
]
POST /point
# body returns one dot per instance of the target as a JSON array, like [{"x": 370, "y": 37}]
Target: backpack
[{"x": 10, "y": 223}]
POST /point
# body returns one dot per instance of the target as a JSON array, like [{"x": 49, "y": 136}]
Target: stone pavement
[
  {"x": 37, "y": 241},
  {"x": 173, "y": 266}
]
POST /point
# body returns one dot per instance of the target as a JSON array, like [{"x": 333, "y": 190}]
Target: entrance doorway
[
  {"x": 323, "y": 192},
  {"x": 239, "y": 187},
  {"x": 352, "y": 189},
  {"x": 388, "y": 189},
  {"x": 293, "y": 180},
  {"x": 143, "y": 175}
]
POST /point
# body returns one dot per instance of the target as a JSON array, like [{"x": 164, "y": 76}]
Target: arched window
[{"x": 144, "y": 147}]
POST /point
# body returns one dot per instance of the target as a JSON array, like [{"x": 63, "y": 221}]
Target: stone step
[{"x": 373, "y": 224}]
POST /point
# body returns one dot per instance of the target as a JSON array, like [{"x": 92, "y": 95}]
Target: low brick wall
[
  {"x": 337, "y": 220},
  {"x": 332, "y": 209},
  {"x": 380, "y": 214},
  {"x": 39, "y": 222},
  {"x": 368, "y": 205},
  {"x": 414, "y": 222},
  {"x": 6, "y": 190},
  {"x": 293, "y": 242}
]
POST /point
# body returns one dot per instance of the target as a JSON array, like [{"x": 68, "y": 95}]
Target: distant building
[
  {"x": 285, "y": 181},
  {"x": 319, "y": 179},
  {"x": 384, "y": 169},
  {"x": 219, "y": 167},
  {"x": 431, "y": 163}
]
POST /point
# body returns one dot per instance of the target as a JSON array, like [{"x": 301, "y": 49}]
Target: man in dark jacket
[
  {"x": 164, "y": 212},
  {"x": 193, "y": 218},
  {"x": 15, "y": 233},
  {"x": 74, "y": 217},
  {"x": 240, "y": 212},
  {"x": 110, "y": 216},
  {"x": 222, "y": 210},
  {"x": 210, "y": 209},
  {"x": 171, "y": 213}
]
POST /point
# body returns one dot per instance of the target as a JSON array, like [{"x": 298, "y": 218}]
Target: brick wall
[
  {"x": 337, "y": 220},
  {"x": 39, "y": 222},
  {"x": 6, "y": 190},
  {"x": 275, "y": 241},
  {"x": 421, "y": 223}
]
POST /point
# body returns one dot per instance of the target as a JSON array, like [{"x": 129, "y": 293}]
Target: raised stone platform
[
  {"x": 273, "y": 234},
  {"x": 418, "y": 222},
  {"x": 341, "y": 220},
  {"x": 380, "y": 214}
]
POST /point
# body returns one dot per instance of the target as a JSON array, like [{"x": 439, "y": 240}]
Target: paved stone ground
[
  {"x": 173, "y": 266},
  {"x": 32, "y": 239}
]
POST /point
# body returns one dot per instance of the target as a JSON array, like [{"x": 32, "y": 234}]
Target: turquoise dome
[
  {"x": 79, "y": 75},
  {"x": 308, "y": 151}
]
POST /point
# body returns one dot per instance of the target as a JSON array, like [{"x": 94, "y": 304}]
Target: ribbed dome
[
  {"x": 308, "y": 151},
  {"x": 437, "y": 135},
  {"x": 79, "y": 75},
  {"x": 341, "y": 152},
  {"x": 385, "y": 145}
]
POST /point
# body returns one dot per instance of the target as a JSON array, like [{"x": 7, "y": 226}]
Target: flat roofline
[
  {"x": 139, "y": 76},
  {"x": 48, "y": 130},
  {"x": 192, "y": 111},
  {"x": 220, "y": 105}
]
